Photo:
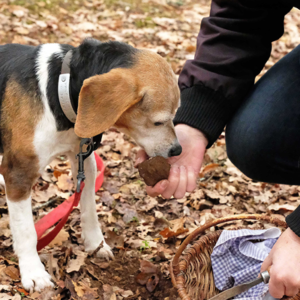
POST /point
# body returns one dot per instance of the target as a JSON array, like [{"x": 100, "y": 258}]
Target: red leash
[{"x": 61, "y": 213}]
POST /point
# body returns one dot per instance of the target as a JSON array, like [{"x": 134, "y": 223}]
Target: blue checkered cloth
[{"x": 238, "y": 256}]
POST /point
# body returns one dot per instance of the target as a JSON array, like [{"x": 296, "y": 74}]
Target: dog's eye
[{"x": 158, "y": 123}]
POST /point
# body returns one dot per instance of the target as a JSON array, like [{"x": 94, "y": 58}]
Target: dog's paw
[
  {"x": 105, "y": 252},
  {"x": 34, "y": 277},
  {"x": 91, "y": 244}
]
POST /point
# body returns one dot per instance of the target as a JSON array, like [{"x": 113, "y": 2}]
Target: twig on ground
[
  {"x": 51, "y": 267},
  {"x": 93, "y": 254},
  {"x": 45, "y": 204},
  {"x": 204, "y": 179}
]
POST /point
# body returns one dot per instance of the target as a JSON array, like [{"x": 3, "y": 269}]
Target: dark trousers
[{"x": 263, "y": 137}]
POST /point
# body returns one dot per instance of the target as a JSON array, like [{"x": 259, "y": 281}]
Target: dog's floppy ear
[{"x": 103, "y": 99}]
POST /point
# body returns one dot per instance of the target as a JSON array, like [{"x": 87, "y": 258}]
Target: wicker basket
[{"x": 191, "y": 273}]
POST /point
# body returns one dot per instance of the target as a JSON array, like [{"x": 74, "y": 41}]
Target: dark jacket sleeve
[
  {"x": 233, "y": 45},
  {"x": 293, "y": 220}
]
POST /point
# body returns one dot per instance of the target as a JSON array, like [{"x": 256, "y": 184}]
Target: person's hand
[
  {"x": 184, "y": 168},
  {"x": 284, "y": 263}
]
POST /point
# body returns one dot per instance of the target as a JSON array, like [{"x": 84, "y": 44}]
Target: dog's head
[{"x": 140, "y": 100}]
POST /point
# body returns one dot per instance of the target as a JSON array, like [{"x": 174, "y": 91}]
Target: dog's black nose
[{"x": 175, "y": 150}]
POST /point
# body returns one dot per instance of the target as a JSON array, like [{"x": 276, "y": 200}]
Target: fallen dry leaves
[
  {"x": 139, "y": 228},
  {"x": 148, "y": 275}
]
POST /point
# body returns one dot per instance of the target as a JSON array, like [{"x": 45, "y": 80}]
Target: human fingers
[
  {"x": 276, "y": 287},
  {"x": 266, "y": 265},
  {"x": 276, "y": 290},
  {"x": 283, "y": 282},
  {"x": 191, "y": 179},
  {"x": 158, "y": 189},
  {"x": 173, "y": 182},
  {"x": 291, "y": 290},
  {"x": 140, "y": 157},
  {"x": 166, "y": 188},
  {"x": 181, "y": 188}
]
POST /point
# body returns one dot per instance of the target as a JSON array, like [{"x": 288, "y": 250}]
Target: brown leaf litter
[{"x": 144, "y": 232}]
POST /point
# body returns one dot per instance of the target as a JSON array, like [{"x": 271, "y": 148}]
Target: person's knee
[{"x": 245, "y": 152}]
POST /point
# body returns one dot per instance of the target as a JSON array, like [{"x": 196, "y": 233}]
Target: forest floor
[{"x": 134, "y": 223}]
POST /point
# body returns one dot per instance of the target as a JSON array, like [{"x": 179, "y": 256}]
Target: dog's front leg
[
  {"x": 33, "y": 274},
  {"x": 91, "y": 231}
]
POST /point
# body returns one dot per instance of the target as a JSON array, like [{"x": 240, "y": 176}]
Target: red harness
[{"x": 61, "y": 213}]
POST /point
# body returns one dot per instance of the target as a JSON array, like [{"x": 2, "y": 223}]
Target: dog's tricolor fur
[{"x": 112, "y": 84}]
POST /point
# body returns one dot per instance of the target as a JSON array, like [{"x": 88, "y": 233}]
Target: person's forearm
[{"x": 232, "y": 47}]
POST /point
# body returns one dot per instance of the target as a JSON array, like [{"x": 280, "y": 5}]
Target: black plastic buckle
[
  {"x": 97, "y": 141},
  {"x": 81, "y": 157}
]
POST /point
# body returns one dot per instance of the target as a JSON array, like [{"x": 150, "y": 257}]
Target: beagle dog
[{"x": 111, "y": 85}]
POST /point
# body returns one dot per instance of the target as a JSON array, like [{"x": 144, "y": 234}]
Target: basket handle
[{"x": 215, "y": 222}]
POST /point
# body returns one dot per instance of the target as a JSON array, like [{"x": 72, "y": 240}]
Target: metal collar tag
[{"x": 64, "y": 89}]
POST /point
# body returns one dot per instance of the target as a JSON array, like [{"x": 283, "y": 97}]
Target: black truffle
[{"x": 154, "y": 170}]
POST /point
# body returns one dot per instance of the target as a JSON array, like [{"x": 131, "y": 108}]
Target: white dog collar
[{"x": 64, "y": 89}]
